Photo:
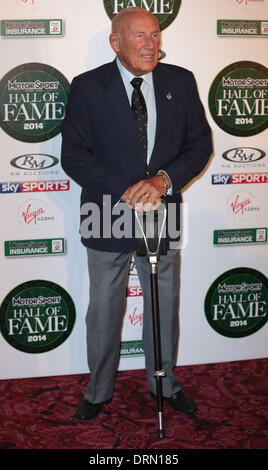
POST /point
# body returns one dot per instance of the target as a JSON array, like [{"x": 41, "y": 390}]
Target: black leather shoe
[
  {"x": 87, "y": 411},
  {"x": 180, "y": 402}
]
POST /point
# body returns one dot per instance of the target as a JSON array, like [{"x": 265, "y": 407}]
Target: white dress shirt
[{"x": 147, "y": 88}]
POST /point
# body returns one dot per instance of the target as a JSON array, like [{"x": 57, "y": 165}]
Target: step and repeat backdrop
[{"x": 224, "y": 257}]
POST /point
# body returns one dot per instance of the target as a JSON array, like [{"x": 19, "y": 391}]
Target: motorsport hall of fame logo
[
  {"x": 164, "y": 10},
  {"x": 236, "y": 302},
  {"x": 33, "y": 97},
  {"x": 238, "y": 99},
  {"x": 37, "y": 316}
]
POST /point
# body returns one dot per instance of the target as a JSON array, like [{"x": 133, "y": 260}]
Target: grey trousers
[{"x": 108, "y": 273}]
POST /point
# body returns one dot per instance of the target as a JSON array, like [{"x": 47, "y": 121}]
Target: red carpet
[{"x": 38, "y": 413}]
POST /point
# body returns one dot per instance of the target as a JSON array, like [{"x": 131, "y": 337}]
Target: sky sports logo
[
  {"x": 134, "y": 291},
  {"x": 240, "y": 178},
  {"x": 34, "y": 186}
]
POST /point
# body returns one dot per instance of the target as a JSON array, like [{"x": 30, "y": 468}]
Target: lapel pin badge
[{"x": 169, "y": 96}]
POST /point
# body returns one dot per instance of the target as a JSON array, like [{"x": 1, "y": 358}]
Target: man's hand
[{"x": 146, "y": 194}]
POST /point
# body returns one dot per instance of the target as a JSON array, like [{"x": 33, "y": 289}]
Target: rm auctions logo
[
  {"x": 240, "y": 178},
  {"x": 243, "y": 155},
  {"x": 32, "y": 102},
  {"x": 34, "y": 186},
  {"x": 37, "y": 316},
  {"x": 238, "y": 99},
  {"x": 164, "y": 10},
  {"x": 34, "y": 161},
  {"x": 236, "y": 302},
  {"x": 35, "y": 164}
]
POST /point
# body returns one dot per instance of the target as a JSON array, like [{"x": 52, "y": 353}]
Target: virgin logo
[
  {"x": 242, "y": 204},
  {"x": 241, "y": 2},
  {"x": 247, "y": 3},
  {"x": 135, "y": 317},
  {"x": 30, "y": 215},
  {"x": 28, "y": 2},
  {"x": 238, "y": 206},
  {"x": 34, "y": 213}
]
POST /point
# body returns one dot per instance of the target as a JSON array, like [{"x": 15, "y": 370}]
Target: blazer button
[{"x": 147, "y": 173}]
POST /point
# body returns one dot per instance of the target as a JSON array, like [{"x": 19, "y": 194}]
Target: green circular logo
[
  {"x": 37, "y": 316},
  {"x": 32, "y": 102},
  {"x": 238, "y": 99},
  {"x": 236, "y": 302},
  {"x": 164, "y": 11}
]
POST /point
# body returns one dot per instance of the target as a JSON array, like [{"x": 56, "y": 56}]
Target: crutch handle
[{"x": 150, "y": 231}]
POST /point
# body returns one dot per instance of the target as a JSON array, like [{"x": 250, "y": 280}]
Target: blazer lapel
[{"x": 117, "y": 97}]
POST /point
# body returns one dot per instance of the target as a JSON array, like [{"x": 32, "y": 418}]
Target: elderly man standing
[{"x": 134, "y": 130}]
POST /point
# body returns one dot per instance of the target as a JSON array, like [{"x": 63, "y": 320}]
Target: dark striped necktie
[{"x": 139, "y": 113}]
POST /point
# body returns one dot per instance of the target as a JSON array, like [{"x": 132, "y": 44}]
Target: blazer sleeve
[
  {"x": 197, "y": 144},
  {"x": 78, "y": 157}
]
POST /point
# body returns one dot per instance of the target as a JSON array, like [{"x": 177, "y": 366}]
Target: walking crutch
[{"x": 151, "y": 242}]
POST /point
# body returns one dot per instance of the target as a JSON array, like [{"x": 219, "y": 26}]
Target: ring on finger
[{"x": 147, "y": 195}]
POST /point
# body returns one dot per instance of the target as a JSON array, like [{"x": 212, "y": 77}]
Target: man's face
[{"x": 137, "y": 43}]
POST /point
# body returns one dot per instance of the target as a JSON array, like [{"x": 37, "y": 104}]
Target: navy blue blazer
[{"x": 100, "y": 148}]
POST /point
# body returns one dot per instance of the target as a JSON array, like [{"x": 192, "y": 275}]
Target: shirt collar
[{"x": 128, "y": 76}]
